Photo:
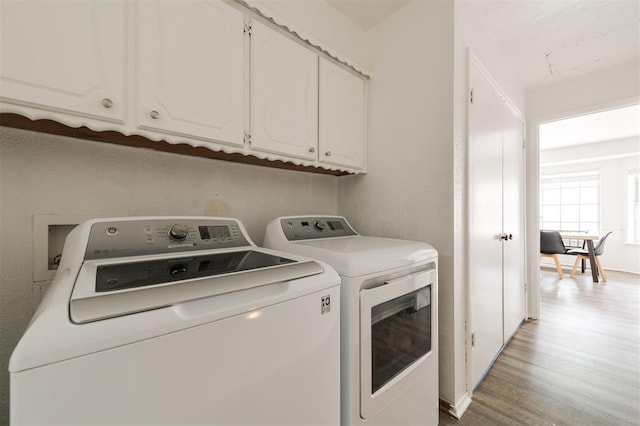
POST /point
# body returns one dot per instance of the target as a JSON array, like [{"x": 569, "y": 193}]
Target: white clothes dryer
[
  {"x": 179, "y": 320},
  {"x": 389, "y": 322}
]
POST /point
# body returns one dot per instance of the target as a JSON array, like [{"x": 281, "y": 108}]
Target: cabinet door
[
  {"x": 64, "y": 56},
  {"x": 190, "y": 69},
  {"x": 342, "y": 116},
  {"x": 284, "y": 95}
]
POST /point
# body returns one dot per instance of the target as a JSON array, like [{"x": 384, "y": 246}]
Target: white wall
[
  {"x": 618, "y": 254},
  {"x": 615, "y": 86},
  {"x": 585, "y": 93}
]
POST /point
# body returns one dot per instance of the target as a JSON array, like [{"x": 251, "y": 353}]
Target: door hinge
[
  {"x": 247, "y": 138},
  {"x": 247, "y": 28},
  {"x": 473, "y": 340},
  {"x": 471, "y": 97},
  {"x": 524, "y": 143}
]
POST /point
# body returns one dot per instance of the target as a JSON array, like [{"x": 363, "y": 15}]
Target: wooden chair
[
  {"x": 583, "y": 254},
  {"x": 551, "y": 245}
]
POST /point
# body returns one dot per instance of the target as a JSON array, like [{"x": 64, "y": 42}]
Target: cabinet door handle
[
  {"x": 328, "y": 153},
  {"x": 312, "y": 149},
  {"x": 154, "y": 114},
  {"x": 107, "y": 103}
]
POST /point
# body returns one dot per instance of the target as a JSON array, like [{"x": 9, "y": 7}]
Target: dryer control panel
[
  {"x": 156, "y": 236},
  {"x": 310, "y": 227}
]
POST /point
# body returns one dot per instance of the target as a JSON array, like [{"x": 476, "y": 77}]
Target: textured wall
[{"x": 44, "y": 174}]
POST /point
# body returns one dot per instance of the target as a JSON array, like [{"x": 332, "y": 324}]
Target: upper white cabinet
[
  {"x": 205, "y": 73},
  {"x": 284, "y": 95},
  {"x": 64, "y": 56},
  {"x": 342, "y": 116},
  {"x": 191, "y": 69}
]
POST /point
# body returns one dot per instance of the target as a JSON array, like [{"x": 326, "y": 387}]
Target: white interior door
[
  {"x": 486, "y": 114},
  {"x": 513, "y": 224},
  {"x": 496, "y": 222}
]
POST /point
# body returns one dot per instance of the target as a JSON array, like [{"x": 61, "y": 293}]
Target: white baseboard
[{"x": 456, "y": 410}]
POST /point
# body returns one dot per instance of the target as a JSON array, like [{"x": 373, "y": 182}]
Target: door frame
[{"x": 532, "y": 194}]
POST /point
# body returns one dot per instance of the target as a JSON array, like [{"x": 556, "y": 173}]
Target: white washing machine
[
  {"x": 389, "y": 323},
  {"x": 180, "y": 320}
]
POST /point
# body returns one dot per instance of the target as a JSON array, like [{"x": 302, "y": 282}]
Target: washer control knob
[
  {"x": 178, "y": 232},
  {"x": 179, "y": 270},
  {"x": 319, "y": 225}
]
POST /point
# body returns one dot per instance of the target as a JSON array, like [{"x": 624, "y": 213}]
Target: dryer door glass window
[{"x": 400, "y": 335}]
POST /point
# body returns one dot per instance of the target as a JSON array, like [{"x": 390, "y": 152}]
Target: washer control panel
[
  {"x": 156, "y": 236},
  {"x": 307, "y": 227}
]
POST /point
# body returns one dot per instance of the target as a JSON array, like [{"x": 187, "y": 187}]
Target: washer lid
[
  {"x": 360, "y": 255},
  {"x": 116, "y": 287}
]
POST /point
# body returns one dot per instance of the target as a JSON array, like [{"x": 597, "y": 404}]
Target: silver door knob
[
  {"x": 154, "y": 114},
  {"x": 328, "y": 153},
  {"x": 312, "y": 149},
  {"x": 107, "y": 103}
]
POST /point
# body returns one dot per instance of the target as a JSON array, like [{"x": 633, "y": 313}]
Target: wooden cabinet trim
[{"x": 117, "y": 138}]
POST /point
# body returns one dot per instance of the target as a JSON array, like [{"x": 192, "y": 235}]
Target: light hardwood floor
[{"x": 579, "y": 364}]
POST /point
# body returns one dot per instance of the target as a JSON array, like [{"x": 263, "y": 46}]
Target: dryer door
[{"x": 395, "y": 338}]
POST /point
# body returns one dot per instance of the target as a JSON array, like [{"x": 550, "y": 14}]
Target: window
[
  {"x": 633, "y": 206},
  {"x": 570, "y": 202}
]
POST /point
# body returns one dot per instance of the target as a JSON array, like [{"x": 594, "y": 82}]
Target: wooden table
[{"x": 589, "y": 240}]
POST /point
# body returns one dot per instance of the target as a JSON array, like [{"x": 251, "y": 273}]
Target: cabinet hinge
[
  {"x": 473, "y": 340},
  {"x": 247, "y": 138},
  {"x": 247, "y": 28},
  {"x": 524, "y": 143},
  {"x": 471, "y": 97}
]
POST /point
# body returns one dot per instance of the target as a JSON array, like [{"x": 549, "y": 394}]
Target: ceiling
[
  {"x": 543, "y": 40},
  {"x": 367, "y": 13},
  {"x": 601, "y": 126}
]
